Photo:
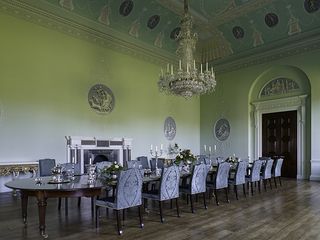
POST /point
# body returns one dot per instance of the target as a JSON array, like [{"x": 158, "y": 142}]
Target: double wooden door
[{"x": 279, "y": 138}]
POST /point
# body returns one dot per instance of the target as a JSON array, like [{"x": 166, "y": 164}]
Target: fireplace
[{"x": 82, "y": 149}]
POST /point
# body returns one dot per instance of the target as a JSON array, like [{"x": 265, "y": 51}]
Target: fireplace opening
[{"x": 100, "y": 158}]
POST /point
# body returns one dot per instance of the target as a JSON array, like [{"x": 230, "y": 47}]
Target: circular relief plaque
[
  {"x": 153, "y": 21},
  {"x": 271, "y": 19},
  {"x": 175, "y": 33},
  {"x": 101, "y": 98},
  {"x": 170, "y": 128},
  {"x": 238, "y": 32},
  {"x": 126, "y": 7},
  {"x": 222, "y": 129}
]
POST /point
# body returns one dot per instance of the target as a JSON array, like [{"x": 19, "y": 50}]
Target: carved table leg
[
  {"x": 42, "y": 204},
  {"x": 24, "y": 206}
]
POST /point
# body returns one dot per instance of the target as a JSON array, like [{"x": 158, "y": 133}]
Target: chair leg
[
  {"x": 123, "y": 216},
  {"x": 171, "y": 204},
  {"x": 275, "y": 182},
  {"x": 270, "y": 183},
  {"x": 177, "y": 206},
  {"x": 236, "y": 191},
  {"x": 97, "y": 216},
  {"x": 265, "y": 185},
  {"x": 204, "y": 201},
  {"x": 160, "y": 208},
  {"x": 187, "y": 199},
  {"x": 79, "y": 202},
  {"x": 59, "y": 203},
  {"x": 119, "y": 222},
  {"x": 191, "y": 203},
  {"x": 66, "y": 206},
  {"x": 140, "y": 216},
  {"x": 251, "y": 188},
  {"x": 244, "y": 190},
  {"x": 227, "y": 196},
  {"x": 259, "y": 188},
  {"x": 216, "y": 196},
  {"x": 280, "y": 181}
]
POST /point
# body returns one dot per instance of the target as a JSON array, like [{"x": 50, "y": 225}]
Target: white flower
[
  {"x": 115, "y": 162},
  {"x": 181, "y": 156},
  {"x": 116, "y": 166},
  {"x": 188, "y": 161}
]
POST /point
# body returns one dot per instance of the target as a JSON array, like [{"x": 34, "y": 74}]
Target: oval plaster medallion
[
  {"x": 170, "y": 128},
  {"x": 101, "y": 99},
  {"x": 222, "y": 129}
]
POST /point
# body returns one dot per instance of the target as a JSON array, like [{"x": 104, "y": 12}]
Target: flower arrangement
[
  {"x": 173, "y": 149},
  {"x": 186, "y": 157},
  {"x": 114, "y": 168}
]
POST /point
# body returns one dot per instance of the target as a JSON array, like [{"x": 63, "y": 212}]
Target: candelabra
[
  {"x": 210, "y": 152},
  {"x": 156, "y": 154}
]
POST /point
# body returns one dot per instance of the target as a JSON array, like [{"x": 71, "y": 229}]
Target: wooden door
[{"x": 279, "y": 138}]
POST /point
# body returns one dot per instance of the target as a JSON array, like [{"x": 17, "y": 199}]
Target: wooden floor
[{"x": 290, "y": 212}]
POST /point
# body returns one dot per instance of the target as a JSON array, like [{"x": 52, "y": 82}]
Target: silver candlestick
[{"x": 156, "y": 154}]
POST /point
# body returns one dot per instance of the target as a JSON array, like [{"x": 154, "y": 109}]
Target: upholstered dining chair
[
  {"x": 220, "y": 181},
  {"x": 197, "y": 183},
  {"x": 239, "y": 177},
  {"x": 133, "y": 164},
  {"x": 266, "y": 173},
  {"x": 276, "y": 171},
  {"x": 128, "y": 195},
  {"x": 45, "y": 167},
  {"x": 76, "y": 167},
  {"x": 153, "y": 163},
  {"x": 254, "y": 176},
  {"x": 168, "y": 189},
  {"x": 144, "y": 162}
]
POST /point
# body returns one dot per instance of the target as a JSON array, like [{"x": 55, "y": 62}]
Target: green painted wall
[
  {"x": 45, "y": 77},
  {"x": 232, "y": 100}
]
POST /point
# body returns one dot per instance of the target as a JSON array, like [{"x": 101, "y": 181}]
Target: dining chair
[
  {"x": 153, "y": 163},
  {"x": 220, "y": 181},
  {"x": 276, "y": 172},
  {"x": 254, "y": 176},
  {"x": 239, "y": 177},
  {"x": 133, "y": 164},
  {"x": 266, "y": 173},
  {"x": 144, "y": 162},
  {"x": 197, "y": 183},
  {"x": 45, "y": 167},
  {"x": 102, "y": 165},
  {"x": 168, "y": 189},
  {"x": 128, "y": 195}
]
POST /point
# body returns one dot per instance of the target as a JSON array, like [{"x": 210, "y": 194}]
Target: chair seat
[
  {"x": 108, "y": 202},
  {"x": 152, "y": 194}
]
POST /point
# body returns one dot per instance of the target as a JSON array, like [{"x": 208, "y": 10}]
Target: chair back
[
  {"x": 169, "y": 183},
  {"x": 255, "y": 171},
  {"x": 45, "y": 167},
  {"x": 101, "y": 165},
  {"x": 220, "y": 160},
  {"x": 240, "y": 174},
  {"x": 144, "y": 162},
  {"x": 198, "y": 178},
  {"x": 70, "y": 166},
  {"x": 267, "y": 169},
  {"x": 133, "y": 164},
  {"x": 153, "y": 163},
  {"x": 222, "y": 175},
  {"x": 277, "y": 169},
  {"x": 129, "y": 188}
]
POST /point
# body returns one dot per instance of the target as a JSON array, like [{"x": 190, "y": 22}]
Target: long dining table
[{"x": 45, "y": 189}]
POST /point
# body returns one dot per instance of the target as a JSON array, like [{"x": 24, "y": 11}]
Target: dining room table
[{"x": 44, "y": 188}]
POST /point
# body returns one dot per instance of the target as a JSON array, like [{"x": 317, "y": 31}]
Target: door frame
[{"x": 297, "y": 103}]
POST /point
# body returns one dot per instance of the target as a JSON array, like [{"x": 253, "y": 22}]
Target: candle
[
  {"x": 156, "y": 148},
  {"x": 90, "y": 161},
  {"x": 72, "y": 160},
  {"x": 151, "y": 147},
  {"x": 201, "y": 67},
  {"x": 205, "y": 147},
  {"x": 161, "y": 72},
  {"x": 171, "y": 69},
  {"x": 212, "y": 71},
  {"x": 194, "y": 64},
  {"x": 187, "y": 68},
  {"x": 161, "y": 146},
  {"x": 234, "y": 155},
  {"x": 209, "y": 148},
  {"x": 180, "y": 65},
  {"x": 167, "y": 67},
  {"x": 215, "y": 147},
  {"x": 207, "y": 66}
]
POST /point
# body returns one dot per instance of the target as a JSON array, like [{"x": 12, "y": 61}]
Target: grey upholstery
[
  {"x": 45, "y": 166},
  {"x": 197, "y": 184},
  {"x": 266, "y": 174},
  {"x": 144, "y": 162},
  {"x": 153, "y": 163},
  {"x": 277, "y": 169},
  {"x": 128, "y": 194},
  {"x": 101, "y": 165},
  {"x": 220, "y": 159},
  {"x": 240, "y": 174},
  {"x": 255, "y": 171},
  {"x": 168, "y": 189},
  {"x": 133, "y": 164},
  {"x": 220, "y": 180}
]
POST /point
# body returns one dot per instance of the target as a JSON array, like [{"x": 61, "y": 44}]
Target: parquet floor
[{"x": 290, "y": 212}]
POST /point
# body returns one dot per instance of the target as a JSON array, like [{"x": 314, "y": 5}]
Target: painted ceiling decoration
[{"x": 227, "y": 29}]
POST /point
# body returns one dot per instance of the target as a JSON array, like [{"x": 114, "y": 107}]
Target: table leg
[
  {"x": 24, "y": 206},
  {"x": 42, "y": 204}
]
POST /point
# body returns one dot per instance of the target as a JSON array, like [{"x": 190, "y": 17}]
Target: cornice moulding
[{"x": 109, "y": 39}]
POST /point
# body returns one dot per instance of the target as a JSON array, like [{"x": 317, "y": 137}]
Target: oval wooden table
[{"x": 78, "y": 187}]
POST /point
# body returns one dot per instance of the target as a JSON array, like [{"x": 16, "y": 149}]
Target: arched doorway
[{"x": 274, "y": 93}]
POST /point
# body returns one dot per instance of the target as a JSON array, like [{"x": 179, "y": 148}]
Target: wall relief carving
[
  {"x": 279, "y": 86},
  {"x": 101, "y": 98}
]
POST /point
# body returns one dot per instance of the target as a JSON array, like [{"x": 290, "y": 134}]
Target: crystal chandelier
[{"x": 187, "y": 81}]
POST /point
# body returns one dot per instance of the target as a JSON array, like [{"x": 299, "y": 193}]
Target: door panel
[{"x": 279, "y": 138}]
